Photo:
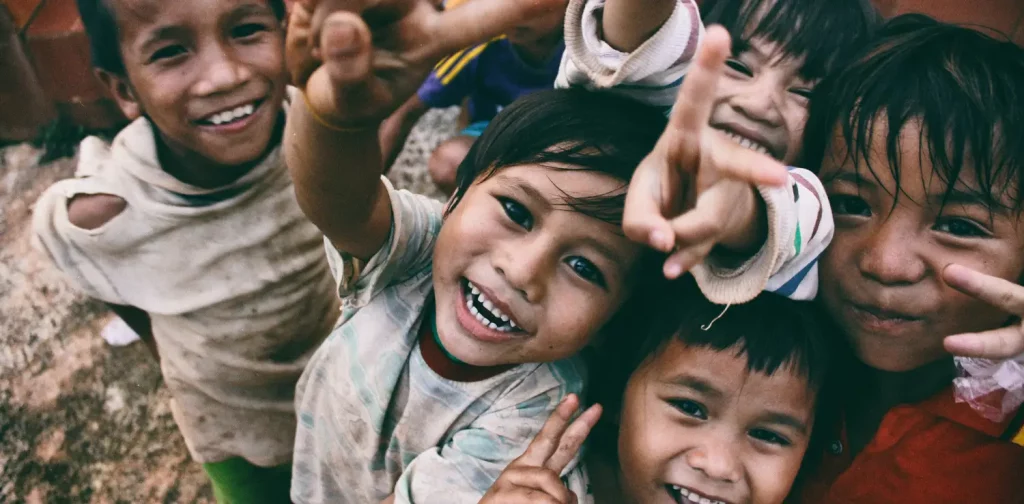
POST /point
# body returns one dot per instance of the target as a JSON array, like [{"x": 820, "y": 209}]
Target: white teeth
[
  {"x": 488, "y": 305},
  {"x": 231, "y": 115},
  {"x": 745, "y": 142}
]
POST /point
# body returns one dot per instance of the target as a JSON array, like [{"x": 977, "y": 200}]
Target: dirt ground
[{"x": 81, "y": 421}]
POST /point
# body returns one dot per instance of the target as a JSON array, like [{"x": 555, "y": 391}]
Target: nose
[
  {"x": 220, "y": 71},
  {"x": 888, "y": 257},
  {"x": 527, "y": 264},
  {"x": 716, "y": 457},
  {"x": 760, "y": 99}
]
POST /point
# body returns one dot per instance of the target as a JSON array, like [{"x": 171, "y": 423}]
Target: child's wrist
[
  {"x": 339, "y": 126},
  {"x": 747, "y": 238}
]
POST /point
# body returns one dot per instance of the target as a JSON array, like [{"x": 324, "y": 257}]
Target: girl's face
[
  {"x": 520, "y": 276},
  {"x": 697, "y": 427},
  {"x": 881, "y": 278},
  {"x": 762, "y": 101}
]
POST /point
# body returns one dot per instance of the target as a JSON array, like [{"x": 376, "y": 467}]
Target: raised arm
[
  {"x": 355, "y": 62},
  {"x": 629, "y": 23}
]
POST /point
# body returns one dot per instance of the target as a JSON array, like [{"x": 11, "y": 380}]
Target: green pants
[{"x": 236, "y": 481}]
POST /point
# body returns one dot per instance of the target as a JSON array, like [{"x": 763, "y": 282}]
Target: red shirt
[{"x": 936, "y": 451}]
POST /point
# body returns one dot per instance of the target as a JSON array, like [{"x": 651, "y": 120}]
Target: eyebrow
[
  {"x": 777, "y": 418},
  {"x": 697, "y": 385},
  {"x": 952, "y": 196},
  {"x": 161, "y": 34},
  {"x": 520, "y": 185}
]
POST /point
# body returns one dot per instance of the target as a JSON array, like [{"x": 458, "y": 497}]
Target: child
[
  {"x": 780, "y": 50},
  {"x": 918, "y": 143},
  {"x": 712, "y": 408},
  {"x": 491, "y": 75},
  {"x": 188, "y": 223},
  {"x": 460, "y": 328},
  {"x": 643, "y": 49}
]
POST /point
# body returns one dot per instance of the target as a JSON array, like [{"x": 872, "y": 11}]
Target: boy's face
[
  {"x": 210, "y": 75},
  {"x": 521, "y": 277},
  {"x": 697, "y": 427},
  {"x": 761, "y": 101},
  {"x": 881, "y": 278}
]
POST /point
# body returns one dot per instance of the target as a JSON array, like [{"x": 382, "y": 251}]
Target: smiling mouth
[
  {"x": 747, "y": 143},
  {"x": 231, "y": 116},
  {"x": 683, "y": 495},
  {"x": 483, "y": 309}
]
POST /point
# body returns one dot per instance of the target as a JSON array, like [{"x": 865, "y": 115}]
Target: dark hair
[
  {"x": 772, "y": 332},
  {"x": 827, "y": 32},
  {"x": 104, "y": 39},
  {"x": 568, "y": 129},
  {"x": 964, "y": 88}
]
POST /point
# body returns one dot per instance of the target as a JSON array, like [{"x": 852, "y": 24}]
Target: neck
[
  {"x": 901, "y": 387},
  {"x": 199, "y": 171},
  {"x": 446, "y": 365}
]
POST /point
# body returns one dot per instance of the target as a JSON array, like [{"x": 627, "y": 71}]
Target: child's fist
[{"x": 358, "y": 60}]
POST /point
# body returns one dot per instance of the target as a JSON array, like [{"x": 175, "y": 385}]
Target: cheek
[{"x": 772, "y": 477}]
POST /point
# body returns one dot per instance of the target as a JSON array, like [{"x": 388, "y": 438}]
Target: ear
[{"x": 119, "y": 87}]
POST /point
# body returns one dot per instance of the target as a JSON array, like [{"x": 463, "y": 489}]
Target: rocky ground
[{"x": 81, "y": 421}]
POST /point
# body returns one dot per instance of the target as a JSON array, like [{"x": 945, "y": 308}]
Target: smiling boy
[{"x": 187, "y": 225}]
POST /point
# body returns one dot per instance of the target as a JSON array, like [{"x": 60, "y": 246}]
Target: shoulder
[{"x": 92, "y": 211}]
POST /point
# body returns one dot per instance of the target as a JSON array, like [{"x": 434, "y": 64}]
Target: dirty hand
[
  {"x": 1003, "y": 343},
  {"x": 358, "y": 60},
  {"x": 696, "y": 189},
  {"x": 534, "y": 476}
]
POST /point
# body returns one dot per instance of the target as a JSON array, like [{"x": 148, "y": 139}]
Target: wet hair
[
  {"x": 826, "y": 32},
  {"x": 104, "y": 40},
  {"x": 964, "y": 89},
  {"x": 568, "y": 129}
]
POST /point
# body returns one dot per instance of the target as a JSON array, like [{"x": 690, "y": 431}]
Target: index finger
[
  {"x": 693, "y": 105},
  {"x": 550, "y": 435},
  {"x": 475, "y": 22},
  {"x": 572, "y": 439},
  {"x": 1002, "y": 294}
]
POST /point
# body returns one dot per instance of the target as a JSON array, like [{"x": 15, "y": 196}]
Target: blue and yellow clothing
[{"x": 492, "y": 75}]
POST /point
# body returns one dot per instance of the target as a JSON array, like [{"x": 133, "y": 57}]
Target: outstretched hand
[
  {"x": 1003, "y": 343},
  {"x": 696, "y": 190},
  {"x": 356, "y": 61},
  {"x": 534, "y": 476}
]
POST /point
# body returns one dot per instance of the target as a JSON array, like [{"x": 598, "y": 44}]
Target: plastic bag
[{"x": 995, "y": 389}]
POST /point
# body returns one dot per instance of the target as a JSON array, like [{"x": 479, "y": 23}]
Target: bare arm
[
  {"x": 139, "y": 321},
  {"x": 337, "y": 181},
  {"x": 628, "y": 23},
  {"x": 396, "y": 129},
  {"x": 350, "y": 82}
]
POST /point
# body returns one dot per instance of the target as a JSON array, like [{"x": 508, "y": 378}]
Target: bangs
[
  {"x": 825, "y": 33},
  {"x": 962, "y": 89},
  {"x": 568, "y": 129}
]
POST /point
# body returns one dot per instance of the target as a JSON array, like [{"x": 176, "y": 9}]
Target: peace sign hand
[
  {"x": 358, "y": 60},
  {"x": 696, "y": 189},
  {"x": 534, "y": 476},
  {"x": 1003, "y": 343}
]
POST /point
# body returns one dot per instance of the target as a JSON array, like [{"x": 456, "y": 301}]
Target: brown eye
[
  {"x": 247, "y": 30},
  {"x": 738, "y": 66},
  {"x": 167, "y": 52}
]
